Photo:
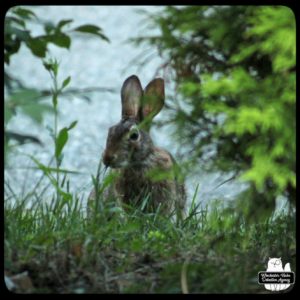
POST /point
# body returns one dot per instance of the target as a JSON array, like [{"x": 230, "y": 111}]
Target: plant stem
[{"x": 55, "y": 96}]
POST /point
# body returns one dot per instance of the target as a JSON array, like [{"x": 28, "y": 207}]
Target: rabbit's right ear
[
  {"x": 131, "y": 95},
  {"x": 154, "y": 98}
]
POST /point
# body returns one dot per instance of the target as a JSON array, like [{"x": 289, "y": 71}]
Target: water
[{"x": 93, "y": 62}]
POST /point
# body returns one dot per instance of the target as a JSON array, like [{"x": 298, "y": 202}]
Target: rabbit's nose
[{"x": 108, "y": 158}]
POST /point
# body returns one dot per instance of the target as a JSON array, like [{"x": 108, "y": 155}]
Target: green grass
[{"x": 64, "y": 251}]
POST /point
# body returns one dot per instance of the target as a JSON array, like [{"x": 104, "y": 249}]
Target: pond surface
[{"x": 93, "y": 62}]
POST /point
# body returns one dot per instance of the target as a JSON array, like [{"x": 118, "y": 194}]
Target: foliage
[
  {"x": 17, "y": 33},
  {"x": 64, "y": 251},
  {"x": 236, "y": 84},
  {"x": 18, "y": 96}
]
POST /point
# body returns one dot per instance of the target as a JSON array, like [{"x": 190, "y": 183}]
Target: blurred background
[{"x": 230, "y": 94}]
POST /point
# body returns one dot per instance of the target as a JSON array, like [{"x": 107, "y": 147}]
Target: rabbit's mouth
[
  {"x": 115, "y": 164},
  {"x": 119, "y": 165}
]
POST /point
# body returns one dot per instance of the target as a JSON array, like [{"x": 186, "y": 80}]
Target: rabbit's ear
[
  {"x": 154, "y": 98},
  {"x": 131, "y": 95}
]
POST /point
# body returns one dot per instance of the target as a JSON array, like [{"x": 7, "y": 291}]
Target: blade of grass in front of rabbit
[{"x": 192, "y": 207}]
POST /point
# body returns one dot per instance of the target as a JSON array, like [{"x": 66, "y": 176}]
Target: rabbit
[{"x": 139, "y": 164}]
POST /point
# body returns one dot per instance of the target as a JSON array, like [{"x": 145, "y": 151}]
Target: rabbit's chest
[{"x": 133, "y": 190}]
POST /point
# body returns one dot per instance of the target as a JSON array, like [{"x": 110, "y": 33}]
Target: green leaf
[
  {"x": 47, "y": 65},
  {"x": 37, "y": 46},
  {"x": 54, "y": 100},
  {"x": 49, "y": 27},
  {"x": 24, "y": 13},
  {"x": 92, "y": 29},
  {"x": 8, "y": 113},
  {"x": 61, "y": 140},
  {"x": 21, "y": 138},
  {"x": 88, "y": 29},
  {"x": 25, "y": 96},
  {"x": 59, "y": 39},
  {"x": 66, "y": 82},
  {"x": 11, "y": 47},
  {"x": 14, "y": 20},
  {"x": 36, "y": 110},
  {"x": 58, "y": 170},
  {"x": 22, "y": 35},
  {"x": 55, "y": 66},
  {"x": 73, "y": 124},
  {"x": 63, "y": 23}
]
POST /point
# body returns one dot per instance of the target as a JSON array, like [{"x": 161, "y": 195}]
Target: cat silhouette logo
[{"x": 276, "y": 278}]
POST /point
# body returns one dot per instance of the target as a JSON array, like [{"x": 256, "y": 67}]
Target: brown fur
[{"x": 144, "y": 171}]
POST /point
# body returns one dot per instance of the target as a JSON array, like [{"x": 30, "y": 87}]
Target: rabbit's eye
[
  {"x": 134, "y": 133},
  {"x": 134, "y": 136}
]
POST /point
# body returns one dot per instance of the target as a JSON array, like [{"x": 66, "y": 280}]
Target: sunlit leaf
[{"x": 61, "y": 141}]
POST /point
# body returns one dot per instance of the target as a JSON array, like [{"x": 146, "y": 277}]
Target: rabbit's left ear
[
  {"x": 154, "y": 98},
  {"x": 131, "y": 94}
]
